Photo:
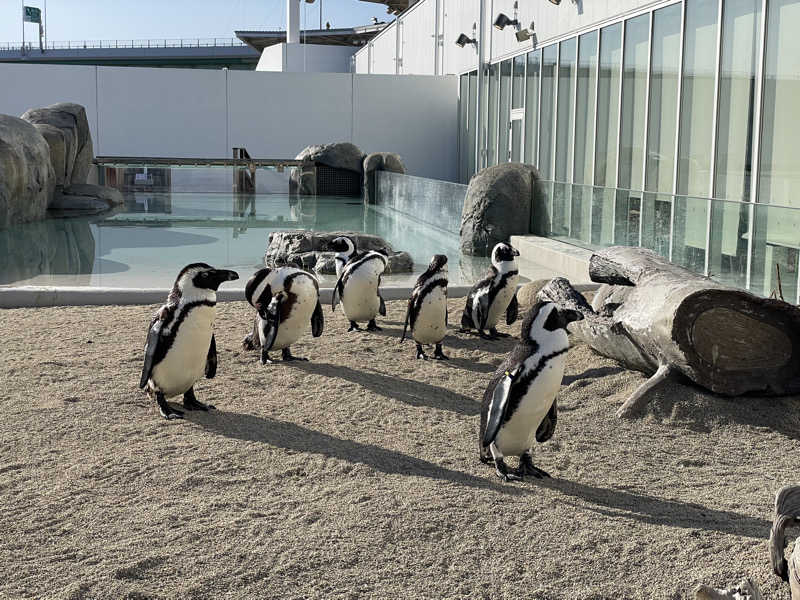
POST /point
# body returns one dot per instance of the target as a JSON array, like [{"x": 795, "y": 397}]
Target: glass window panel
[
  {"x": 728, "y": 242},
  {"x": 688, "y": 249},
  {"x": 516, "y": 140},
  {"x": 471, "y": 116},
  {"x": 565, "y": 115},
  {"x": 737, "y": 87},
  {"x": 463, "y": 107},
  {"x": 585, "y": 108},
  {"x": 776, "y": 237},
  {"x": 494, "y": 71},
  {"x": 518, "y": 95},
  {"x": 505, "y": 111},
  {"x": 484, "y": 111},
  {"x": 662, "y": 113},
  {"x": 697, "y": 100},
  {"x": 532, "y": 106},
  {"x": 549, "y": 59},
  {"x": 608, "y": 109},
  {"x": 634, "y": 90},
  {"x": 602, "y": 216},
  {"x": 780, "y": 159}
]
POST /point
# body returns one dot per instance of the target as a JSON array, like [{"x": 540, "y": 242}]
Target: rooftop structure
[
  {"x": 348, "y": 36},
  {"x": 394, "y": 7}
]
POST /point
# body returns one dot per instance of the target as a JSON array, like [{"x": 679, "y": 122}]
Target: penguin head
[
  {"x": 343, "y": 245},
  {"x": 545, "y": 318},
  {"x": 198, "y": 277},
  {"x": 503, "y": 252},
  {"x": 438, "y": 264},
  {"x": 256, "y": 286}
]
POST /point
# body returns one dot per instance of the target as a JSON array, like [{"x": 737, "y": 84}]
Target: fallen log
[
  {"x": 661, "y": 319},
  {"x": 787, "y": 512}
]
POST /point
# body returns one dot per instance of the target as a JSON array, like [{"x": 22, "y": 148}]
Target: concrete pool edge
[{"x": 52, "y": 296}]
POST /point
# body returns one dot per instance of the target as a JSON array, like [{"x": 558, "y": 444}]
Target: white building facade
[{"x": 671, "y": 125}]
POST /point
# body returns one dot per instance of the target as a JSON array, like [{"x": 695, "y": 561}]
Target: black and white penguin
[
  {"x": 285, "y": 300},
  {"x": 180, "y": 345},
  {"x": 359, "y": 283},
  {"x": 427, "y": 308},
  {"x": 345, "y": 249},
  {"x": 496, "y": 294},
  {"x": 519, "y": 403}
]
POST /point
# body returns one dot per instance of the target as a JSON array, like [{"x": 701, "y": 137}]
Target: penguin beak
[
  {"x": 572, "y": 315},
  {"x": 220, "y": 276},
  {"x": 516, "y": 252}
]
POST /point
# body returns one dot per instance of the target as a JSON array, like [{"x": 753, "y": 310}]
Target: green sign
[{"x": 31, "y": 14}]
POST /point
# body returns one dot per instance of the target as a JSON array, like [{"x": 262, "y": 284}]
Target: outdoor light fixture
[
  {"x": 502, "y": 20},
  {"x": 464, "y": 39},
  {"x": 556, "y": 2},
  {"x": 523, "y": 35}
]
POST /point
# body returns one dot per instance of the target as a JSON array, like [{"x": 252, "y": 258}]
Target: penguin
[
  {"x": 180, "y": 346},
  {"x": 519, "y": 403},
  {"x": 358, "y": 285},
  {"x": 427, "y": 308},
  {"x": 285, "y": 300},
  {"x": 496, "y": 294}
]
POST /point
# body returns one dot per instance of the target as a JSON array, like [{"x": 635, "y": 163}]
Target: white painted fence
[{"x": 199, "y": 113}]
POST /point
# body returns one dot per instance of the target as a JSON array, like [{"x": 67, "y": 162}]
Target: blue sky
[{"x": 151, "y": 19}]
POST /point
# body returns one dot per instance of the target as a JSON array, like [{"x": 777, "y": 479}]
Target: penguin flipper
[
  {"x": 498, "y": 406},
  {"x": 548, "y": 424},
  {"x": 211, "y": 359},
  {"x": 482, "y": 311},
  {"x": 512, "y": 311},
  {"x": 150, "y": 350},
  {"x": 408, "y": 315},
  {"x": 317, "y": 321},
  {"x": 382, "y": 307},
  {"x": 338, "y": 288}
]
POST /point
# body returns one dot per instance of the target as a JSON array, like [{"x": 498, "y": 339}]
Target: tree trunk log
[{"x": 654, "y": 314}]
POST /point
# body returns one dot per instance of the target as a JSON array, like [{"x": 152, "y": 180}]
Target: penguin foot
[
  {"x": 354, "y": 326},
  {"x": 494, "y": 334},
  {"x": 265, "y": 359},
  {"x": 166, "y": 410},
  {"x": 372, "y": 326},
  {"x": 484, "y": 336},
  {"x": 464, "y": 330},
  {"x": 438, "y": 354},
  {"x": 421, "y": 353},
  {"x": 501, "y": 469},
  {"x": 247, "y": 342},
  {"x": 526, "y": 467},
  {"x": 287, "y": 355},
  {"x": 190, "y": 402}
]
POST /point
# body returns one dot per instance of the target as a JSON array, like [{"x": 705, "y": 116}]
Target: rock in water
[
  {"x": 379, "y": 161},
  {"x": 497, "y": 206},
  {"x": 27, "y": 177}
]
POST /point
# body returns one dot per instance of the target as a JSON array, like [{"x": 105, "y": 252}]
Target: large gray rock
[
  {"x": 111, "y": 196},
  {"x": 71, "y": 119},
  {"x": 27, "y": 178},
  {"x": 497, "y": 206},
  {"x": 339, "y": 155},
  {"x": 312, "y": 250},
  {"x": 85, "y": 199},
  {"x": 62, "y": 151},
  {"x": 379, "y": 161}
]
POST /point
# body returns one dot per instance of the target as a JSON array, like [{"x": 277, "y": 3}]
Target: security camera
[
  {"x": 464, "y": 39},
  {"x": 502, "y": 20}
]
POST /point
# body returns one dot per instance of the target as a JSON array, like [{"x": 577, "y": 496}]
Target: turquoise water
[{"x": 146, "y": 242}]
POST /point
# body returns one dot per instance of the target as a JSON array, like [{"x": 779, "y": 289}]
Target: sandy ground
[{"x": 356, "y": 475}]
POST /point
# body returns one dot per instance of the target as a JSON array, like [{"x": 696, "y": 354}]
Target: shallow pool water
[{"x": 146, "y": 242}]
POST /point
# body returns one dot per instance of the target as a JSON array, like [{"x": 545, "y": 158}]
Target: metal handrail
[
  {"x": 149, "y": 43},
  {"x": 153, "y": 161}
]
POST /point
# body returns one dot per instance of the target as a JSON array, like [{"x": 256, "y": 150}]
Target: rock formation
[
  {"x": 311, "y": 250},
  {"x": 27, "y": 178},
  {"x": 379, "y": 161},
  {"x": 498, "y": 205}
]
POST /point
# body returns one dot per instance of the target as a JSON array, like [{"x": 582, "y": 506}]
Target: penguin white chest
[
  {"x": 430, "y": 328},
  {"x": 298, "y": 320},
  {"x": 501, "y": 301},
  {"x": 185, "y": 360},
  {"x": 360, "y": 295},
  {"x": 519, "y": 432}
]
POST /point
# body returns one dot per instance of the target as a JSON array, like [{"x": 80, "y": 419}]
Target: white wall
[
  {"x": 436, "y": 122},
  {"x": 204, "y": 113},
  {"x": 458, "y": 16}
]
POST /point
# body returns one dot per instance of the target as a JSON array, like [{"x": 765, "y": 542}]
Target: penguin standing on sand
[
  {"x": 180, "y": 345},
  {"x": 496, "y": 294},
  {"x": 359, "y": 283},
  {"x": 427, "y": 308},
  {"x": 285, "y": 299},
  {"x": 519, "y": 403}
]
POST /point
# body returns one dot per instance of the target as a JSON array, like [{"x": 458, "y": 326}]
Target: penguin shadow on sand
[
  {"x": 450, "y": 341},
  {"x": 290, "y": 436},
  {"x": 624, "y": 504},
  {"x": 593, "y": 373},
  {"x": 408, "y": 391}
]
